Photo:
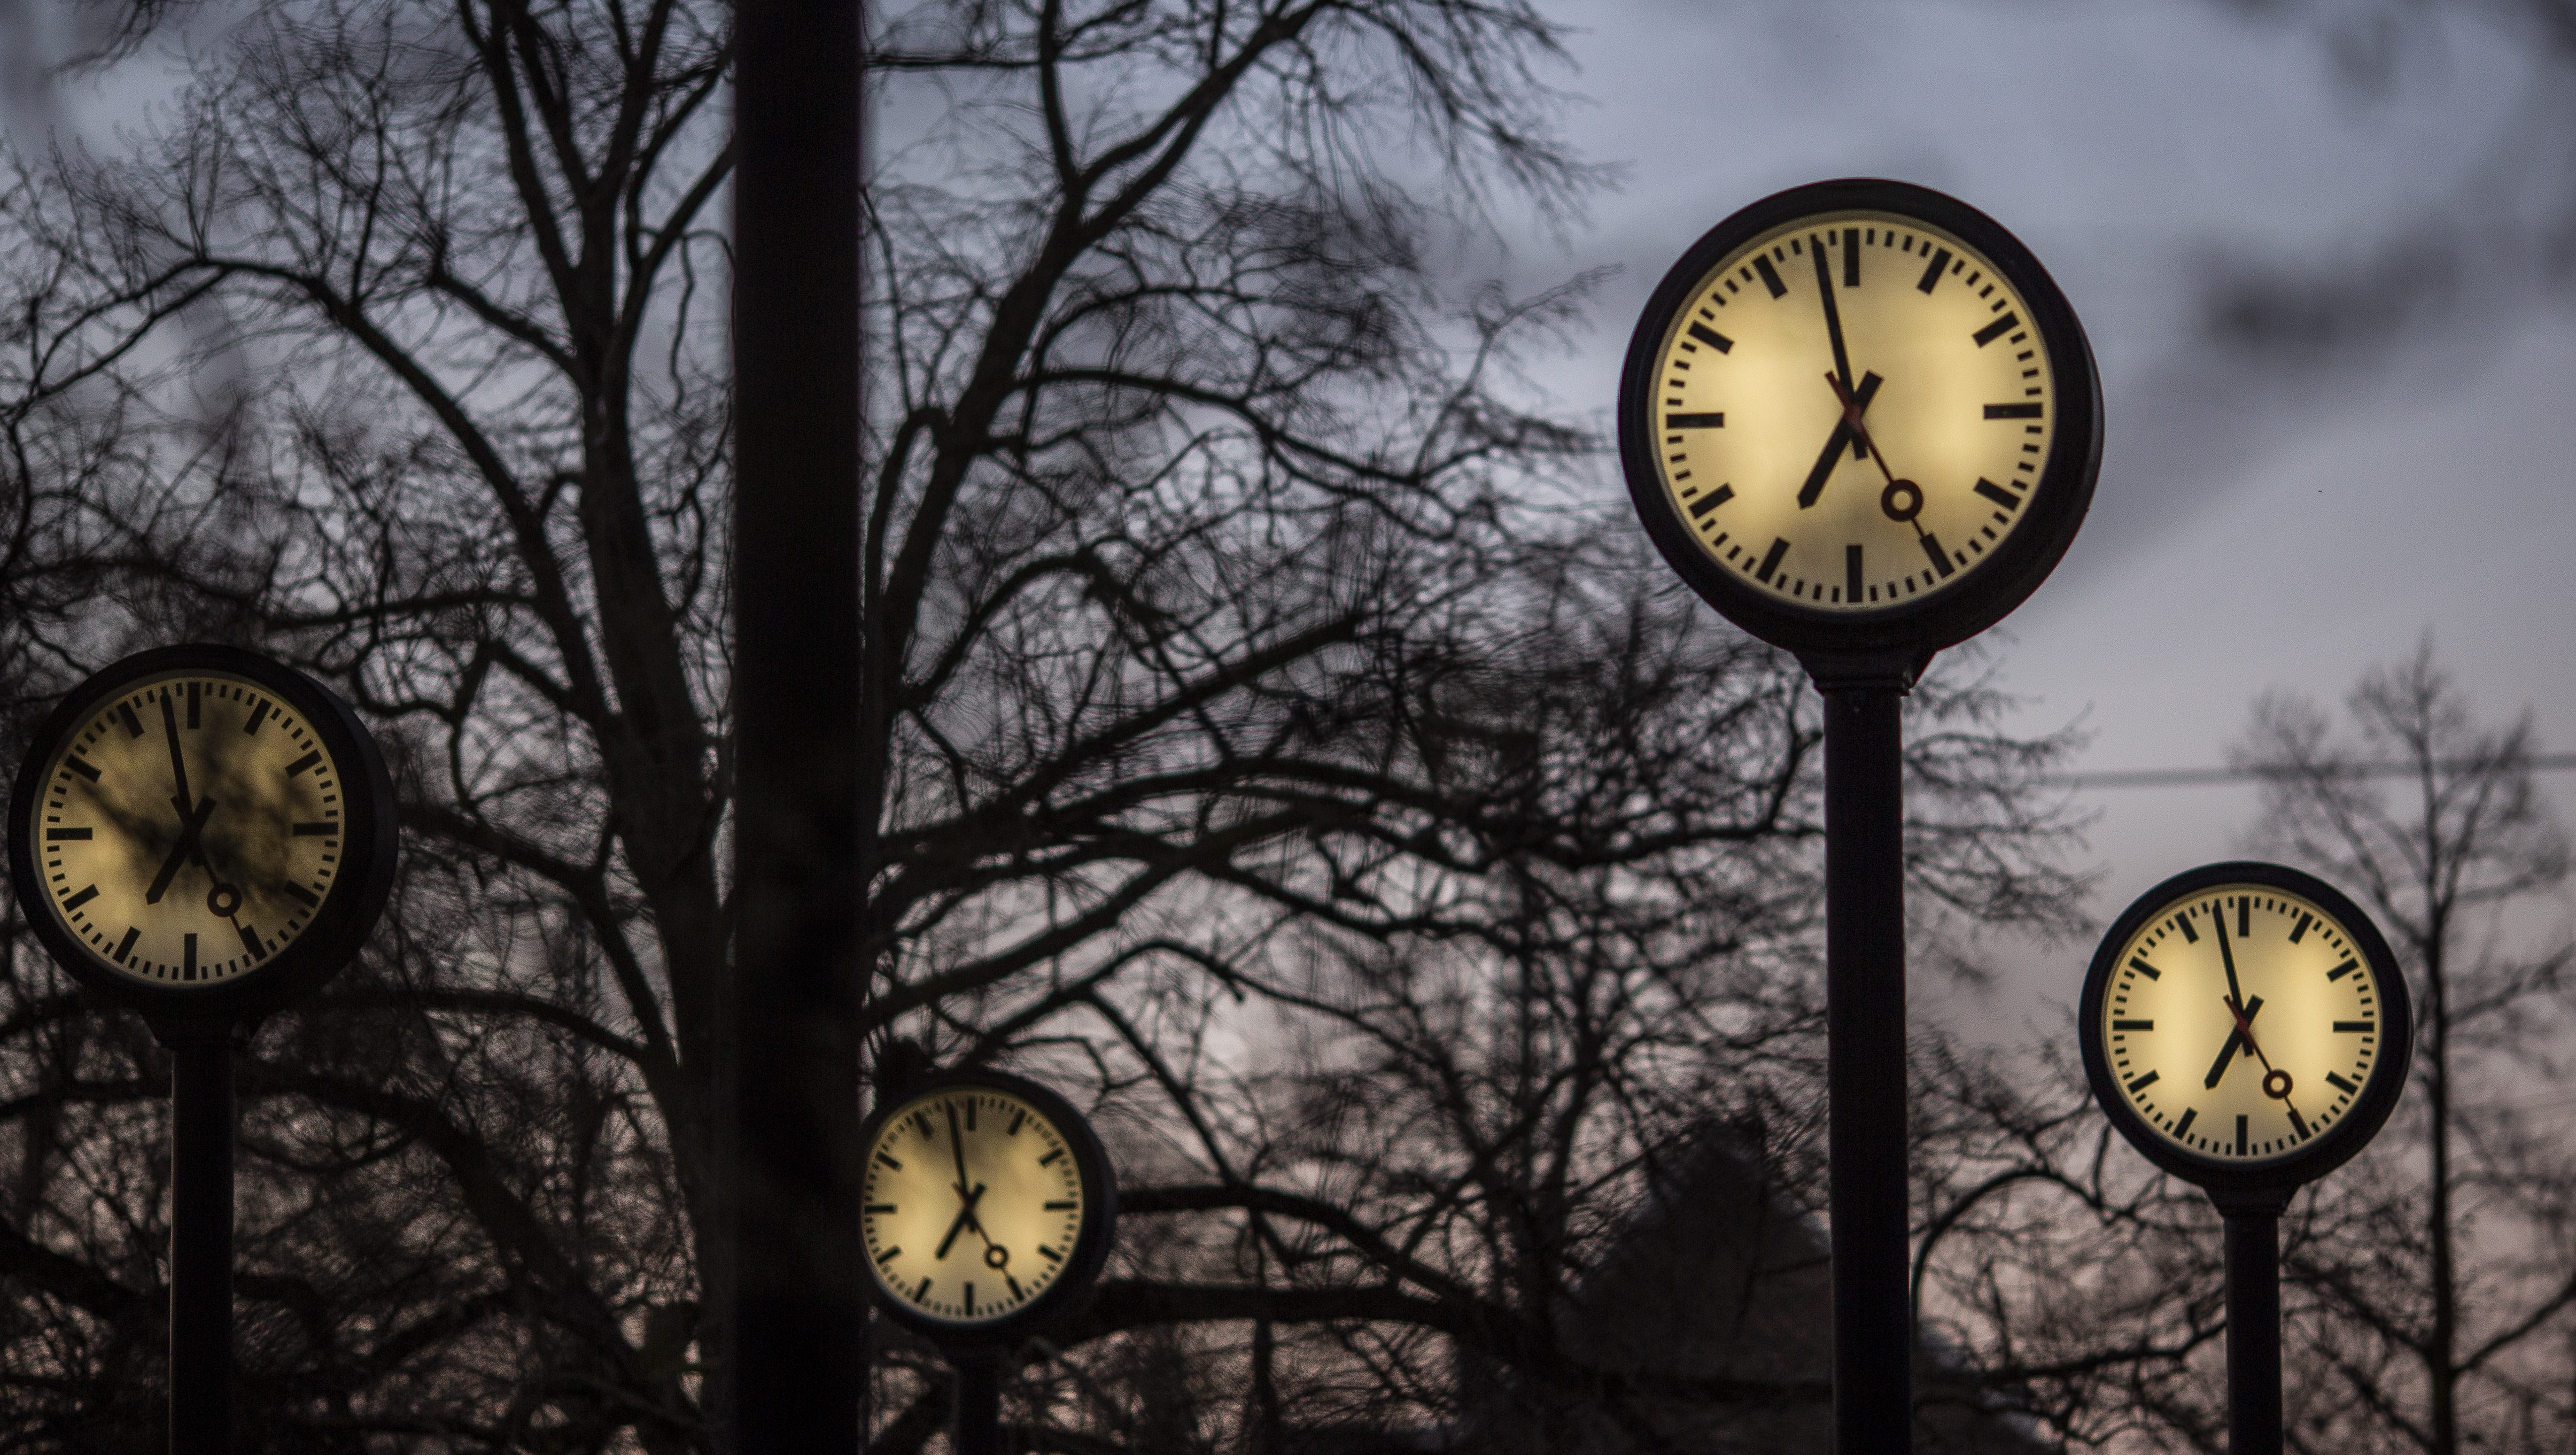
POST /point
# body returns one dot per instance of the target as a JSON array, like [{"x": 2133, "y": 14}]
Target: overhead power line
[{"x": 2252, "y": 773}]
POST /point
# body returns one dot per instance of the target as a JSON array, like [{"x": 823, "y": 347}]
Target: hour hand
[
  {"x": 2236, "y": 1041},
  {"x": 965, "y": 1220},
  {"x": 189, "y": 827},
  {"x": 1842, "y": 436}
]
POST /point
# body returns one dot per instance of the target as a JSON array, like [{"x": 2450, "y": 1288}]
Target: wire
[{"x": 2202, "y": 777}]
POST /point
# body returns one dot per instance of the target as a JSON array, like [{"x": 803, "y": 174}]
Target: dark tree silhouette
[
  {"x": 1266, "y": 741},
  {"x": 2456, "y": 1289},
  {"x": 2429, "y": 1301}
]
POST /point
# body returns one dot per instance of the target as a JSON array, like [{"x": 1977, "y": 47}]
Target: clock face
[
  {"x": 1841, "y": 415},
  {"x": 201, "y": 833},
  {"x": 191, "y": 827},
  {"x": 2246, "y": 1022},
  {"x": 978, "y": 1204}
]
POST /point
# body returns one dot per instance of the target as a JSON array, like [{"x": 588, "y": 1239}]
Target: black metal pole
[
  {"x": 1865, "y": 1062},
  {"x": 789, "y": 1118},
  {"x": 976, "y": 1391},
  {"x": 201, "y": 1242},
  {"x": 2253, "y": 1329}
]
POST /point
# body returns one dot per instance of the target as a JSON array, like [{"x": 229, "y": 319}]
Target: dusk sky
[{"x": 2282, "y": 519}]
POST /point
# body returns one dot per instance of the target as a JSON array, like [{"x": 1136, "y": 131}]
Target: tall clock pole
[
  {"x": 2252, "y": 1229},
  {"x": 1865, "y": 1049},
  {"x": 201, "y": 836},
  {"x": 989, "y": 1209},
  {"x": 202, "y": 1131},
  {"x": 2245, "y": 1026},
  {"x": 789, "y": 1124},
  {"x": 1921, "y": 358},
  {"x": 975, "y": 1385}
]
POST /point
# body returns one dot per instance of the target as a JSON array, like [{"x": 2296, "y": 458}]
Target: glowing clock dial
[
  {"x": 2245, "y": 1018},
  {"x": 984, "y": 1200},
  {"x": 1860, "y": 415},
  {"x": 191, "y": 828}
]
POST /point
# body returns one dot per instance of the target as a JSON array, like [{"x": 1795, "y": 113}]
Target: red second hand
[
  {"x": 1851, "y": 417},
  {"x": 2245, "y": 1028}
]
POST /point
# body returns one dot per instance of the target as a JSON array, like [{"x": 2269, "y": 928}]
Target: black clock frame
[
  {"x": 369, "y": 845},
  {"x": 1072, "y": 1288},
  {"x": 2274, "y": 1177},
  {"x": 1915, "y": 628}
]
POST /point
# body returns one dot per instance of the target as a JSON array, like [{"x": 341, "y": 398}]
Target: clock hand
[
  {"x": 1834, "y": 326},
  {"x": 1887, "y": 499},
  {"x": 957, "y": 1144},
  {"x": 2245, "y": 1028},
  {"x": 2227, "y": 954},
  {"x": 965, "y": 1218},
  {"x": 1842, "y": 435},
  {"x": 178, "y": 761},
  {"x": 2235, "y": 1038},
  {"x": 222, "y": 900},
  {"x": 2271, "y": 1073},
  {"x": 181, "y": 851}
]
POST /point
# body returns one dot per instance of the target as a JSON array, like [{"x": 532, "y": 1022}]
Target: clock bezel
[
  {"x": 1993, "y": 584},
  {"x": 2329, "y": 1149},
  {"x": 349, "y": 911},
  {"x": 1072, "y": 1288}
]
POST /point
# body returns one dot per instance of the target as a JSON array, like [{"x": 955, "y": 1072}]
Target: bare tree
[
  {"x": 2459, "y": 1283},
  {"x": 2430, "y": 1286},
  {"x": 1232, "y": 631}
]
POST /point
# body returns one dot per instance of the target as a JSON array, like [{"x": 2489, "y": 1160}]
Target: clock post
[
  {"x": 2293, "y": 991},
  {"x": 1860, "y": 420},
  {"x": 201, "y": 835},
  {"x": 2251, "y": 1228},
  {"x": 204, "y": 1120},
  {"x": 987, "y": 1211},
  {"x": 1865, "y": 1162}
]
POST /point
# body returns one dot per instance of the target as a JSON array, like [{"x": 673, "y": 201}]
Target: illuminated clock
[
  {"x": 199, "y": 831},
  {"x": 987, "y": 1206},
  {"x": 2244, "y": 1025},
  {"x": 1859, "y": 416}
]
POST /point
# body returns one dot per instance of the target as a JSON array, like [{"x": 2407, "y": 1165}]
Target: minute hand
[
  {"x": 1833, "y": 315},
  {"x": 1843, "y": 435},
  {"x": 178, "y": 760},
  {"x": 2226, "y": 954}
]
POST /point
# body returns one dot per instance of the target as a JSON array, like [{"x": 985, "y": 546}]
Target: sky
[{"x": 2279, "y": 520}]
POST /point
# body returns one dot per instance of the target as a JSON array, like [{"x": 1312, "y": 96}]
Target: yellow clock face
[
  {"x": 974, "y": 1205},
  {"x": 189, "y": 830},
  {"x": 2241, "y": 1023},
  {"x": 1851, "y": 411}
]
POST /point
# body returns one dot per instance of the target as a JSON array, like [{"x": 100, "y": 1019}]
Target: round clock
[
  {"x": 1858, "y": 416},
  {"x": 201, "y": 833},
  {"x": 987, "y": 1206},
  {"x": 2245, "y": 1026}
]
